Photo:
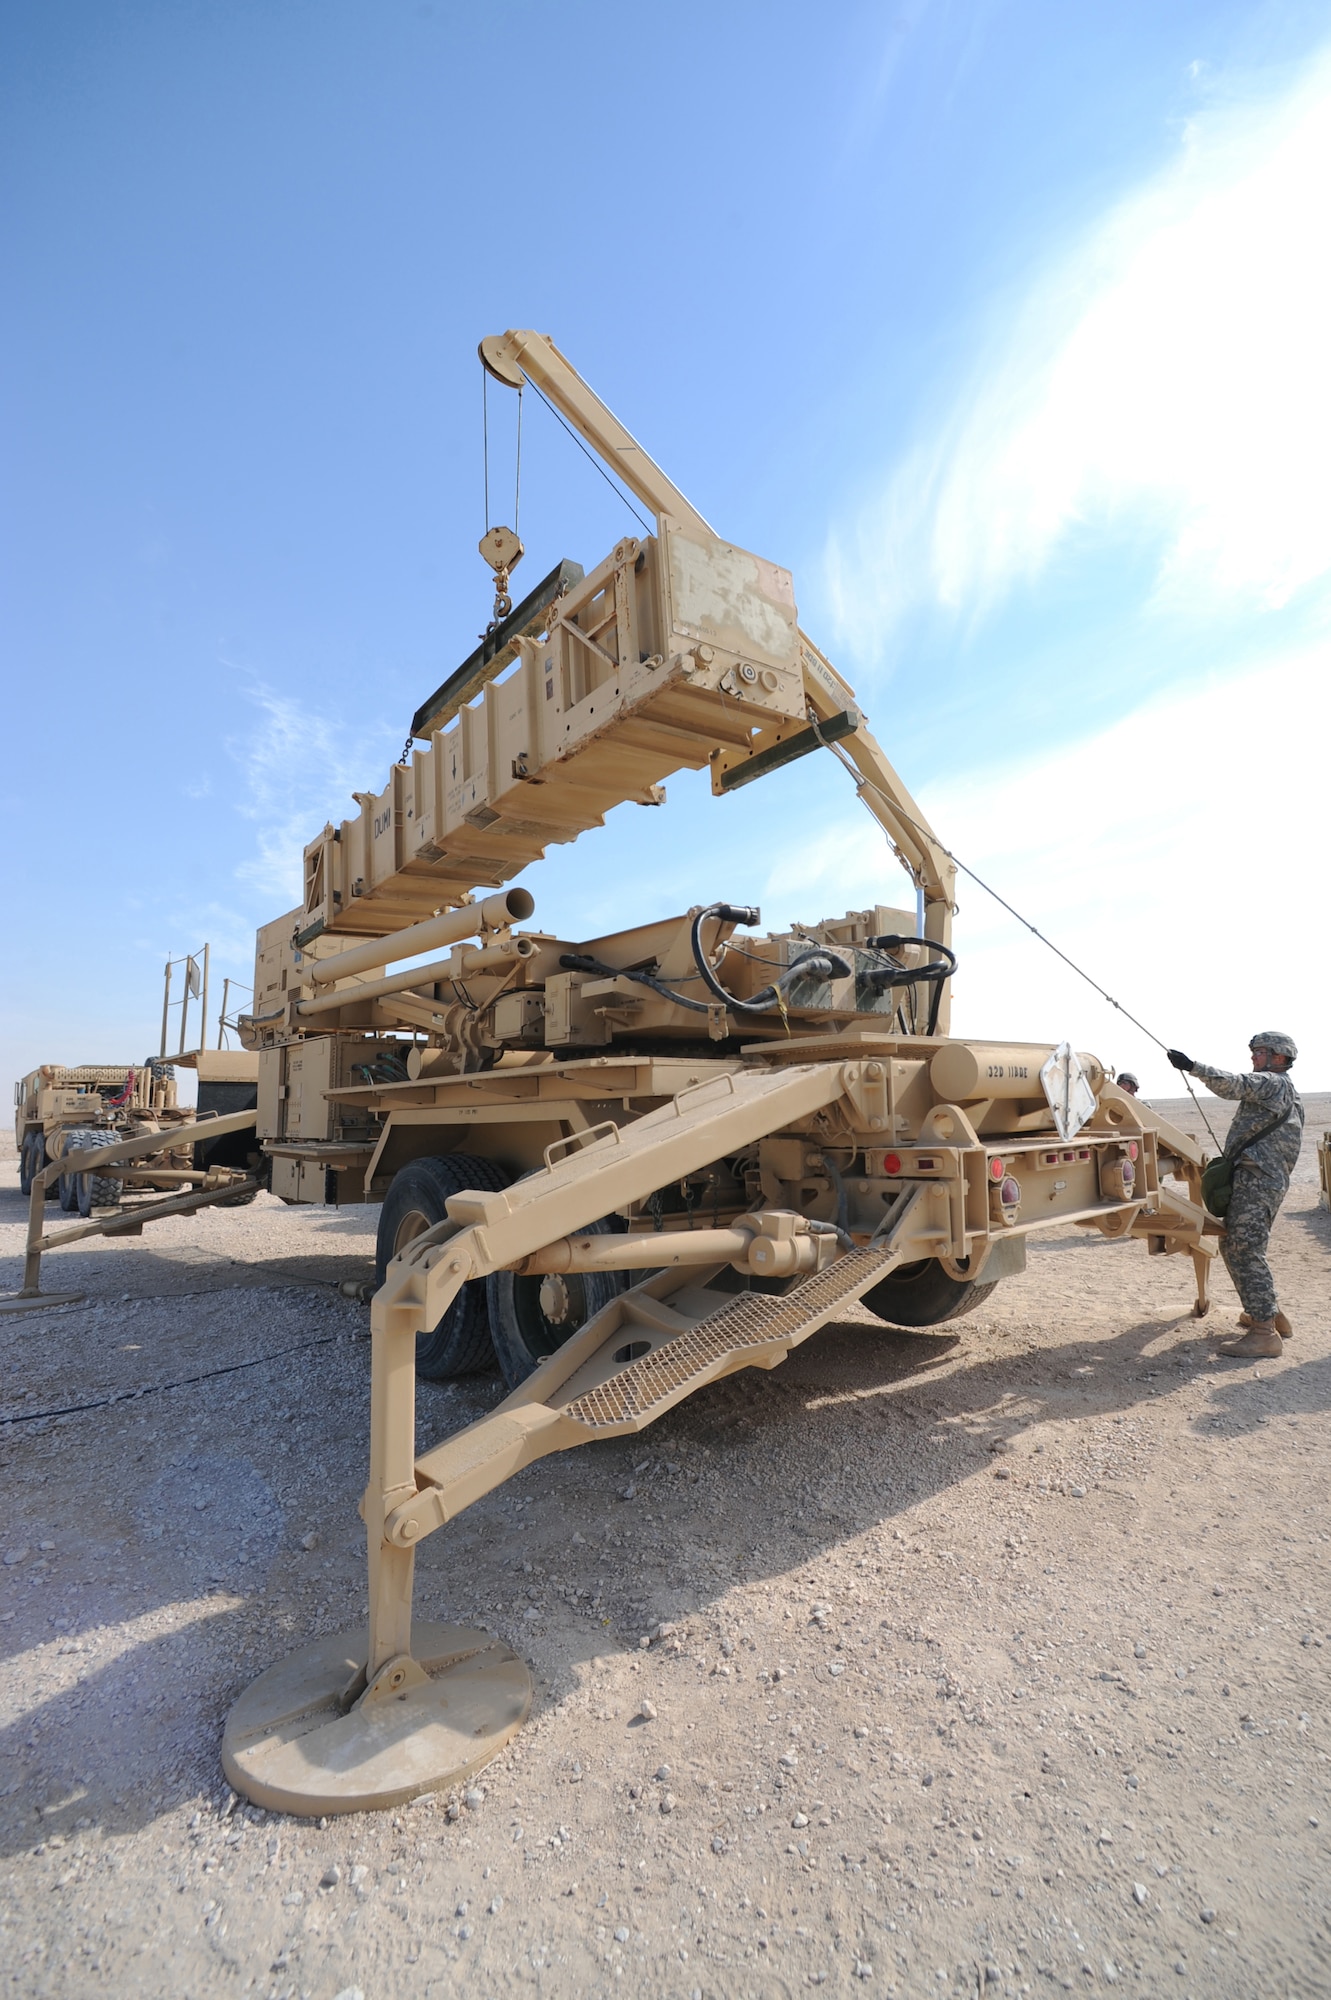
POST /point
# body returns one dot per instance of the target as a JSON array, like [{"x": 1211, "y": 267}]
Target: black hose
[
  {"x": 839, "y": 1188},
  {"x": 578, "y": 961},
  {"x": 937, "y": 969},
  {"x": 819, "y": 958}
]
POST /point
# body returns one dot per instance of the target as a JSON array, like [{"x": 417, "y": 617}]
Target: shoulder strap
[{"x": 1263, "y": 1131}]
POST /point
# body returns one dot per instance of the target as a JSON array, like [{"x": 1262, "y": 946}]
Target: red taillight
[
  {"x": 1132, "y": 1149},
  {"x": 892, "y": 1163},
  {"x": 996, "y": 1170}
]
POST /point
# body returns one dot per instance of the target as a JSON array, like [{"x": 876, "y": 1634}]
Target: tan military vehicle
[
  {"x": 625, "y": 1165},
  {"x": 60, "y": 1109}
]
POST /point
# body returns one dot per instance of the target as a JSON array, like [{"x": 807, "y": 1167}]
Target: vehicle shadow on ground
[
  {"x": 770, "y": 1471},
  {"x": 1316, "y": 1221},
  {"x": 147, "y": 1274},
  {"x": 1248, "y": 1401},
  {"x": 155, "y": 1264}
]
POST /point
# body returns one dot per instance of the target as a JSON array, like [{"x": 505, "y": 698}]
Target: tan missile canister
[{"x": 965, "y": 1072}]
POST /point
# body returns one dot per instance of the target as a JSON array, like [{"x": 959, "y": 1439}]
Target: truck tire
[
  {"x": 89, "y": 1191},
  {"x": 523, "y": 1336},
  {"x": 460, "y": 1344},
  {"x": 922, "y": 1294},
  {"x": 28, "y": 1165}
]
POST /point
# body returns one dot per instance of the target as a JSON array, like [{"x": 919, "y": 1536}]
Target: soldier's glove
[{"x": 1179, "y": 1060}]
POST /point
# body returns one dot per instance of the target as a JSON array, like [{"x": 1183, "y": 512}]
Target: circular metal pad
[{"x": 292, "y": 1745}]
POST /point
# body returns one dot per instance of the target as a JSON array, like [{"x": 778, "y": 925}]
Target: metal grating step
[{"x": 751, "y": 1320}]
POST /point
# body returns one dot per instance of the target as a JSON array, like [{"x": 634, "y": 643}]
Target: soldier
[
  {"x": 1127, "y": 1081},
  {"x": 1261, "y": 1180}
]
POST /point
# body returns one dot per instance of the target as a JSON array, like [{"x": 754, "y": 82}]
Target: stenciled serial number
[{"x": 998, "y": 1070}]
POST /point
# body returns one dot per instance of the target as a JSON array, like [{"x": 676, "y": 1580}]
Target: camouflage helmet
[{"x": 1278, "y": 1044}]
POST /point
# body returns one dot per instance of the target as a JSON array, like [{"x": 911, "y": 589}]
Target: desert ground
[{"x": 986, "y": 1661}]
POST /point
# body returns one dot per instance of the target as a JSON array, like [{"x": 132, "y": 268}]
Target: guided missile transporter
[
  {"x": 625, "y": 1165},
  {"x": 61, "y": 1108}
]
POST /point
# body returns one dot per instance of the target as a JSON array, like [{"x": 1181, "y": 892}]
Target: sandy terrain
[{"x": 991, "y": 1661}]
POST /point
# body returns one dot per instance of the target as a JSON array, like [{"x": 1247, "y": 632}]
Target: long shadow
[
  {"x": 754, "y": 1476},
  {"x": 1244, "y": 1404},
  {"x": 757, "y": 1475},
  {"x": 1316, "y": 1222}
]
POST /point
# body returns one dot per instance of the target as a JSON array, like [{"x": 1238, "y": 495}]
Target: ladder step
[{"x": 750, "y": 1320}]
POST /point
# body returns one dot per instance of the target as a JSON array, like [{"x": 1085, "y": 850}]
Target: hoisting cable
[
  {"x": 517, "y": 474},
  {"x": 485, "y": 442},
  {"x": 588, "y": 453},
  {"x": 931, "y": 839}
]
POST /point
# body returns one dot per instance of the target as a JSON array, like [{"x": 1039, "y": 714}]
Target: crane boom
[
  {"x": 522, "y": 355},
  {"x": 678, "y": 651}
]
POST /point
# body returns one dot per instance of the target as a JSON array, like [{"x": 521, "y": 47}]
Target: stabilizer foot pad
[
  {"x": 26, "y": 1302},
  {"x": 289, "y": 1746}
]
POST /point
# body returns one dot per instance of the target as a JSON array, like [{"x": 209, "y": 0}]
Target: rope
[
  {"x": 931, "y": 839},
  {"x": 517, "y": 476},
  {"x": 485, "y": 440},
  {"x": 160, "y": 1388},
  {"x": 588, "y": 453}
]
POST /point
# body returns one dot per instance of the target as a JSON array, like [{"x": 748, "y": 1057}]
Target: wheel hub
[{"x": 555, "y": 1301}]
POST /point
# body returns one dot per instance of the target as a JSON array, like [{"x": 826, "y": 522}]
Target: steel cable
[{"x": 932, "y": 840}]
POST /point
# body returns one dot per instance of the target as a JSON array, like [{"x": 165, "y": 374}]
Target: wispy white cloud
[
  {"x": 1168, "y": 377},
  {"x": 299, "y": 769},
  {"x": 1173, "y": 855}
]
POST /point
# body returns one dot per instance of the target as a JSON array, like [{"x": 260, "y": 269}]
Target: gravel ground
[{"x": 976, "y": 1662}]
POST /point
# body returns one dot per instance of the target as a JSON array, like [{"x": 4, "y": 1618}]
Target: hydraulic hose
[
  {"x": 933, "y": 973},
  {"x": 578, "y": 961},
  {"x": 818, "y": 959},
  {"x": 937, "y": 969}
]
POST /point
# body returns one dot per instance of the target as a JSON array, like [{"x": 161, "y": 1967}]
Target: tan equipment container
[{"x": 625, "y": 1165}]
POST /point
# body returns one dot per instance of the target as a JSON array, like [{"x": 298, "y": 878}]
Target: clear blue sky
[{"x": 863, "y": 279}]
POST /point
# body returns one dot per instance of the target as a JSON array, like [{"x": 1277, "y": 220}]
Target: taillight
[
  {"x": 892, "y": 1163},
  {"x": 996, "y": 1170},
  {"x": 1005, "y": 1199}
]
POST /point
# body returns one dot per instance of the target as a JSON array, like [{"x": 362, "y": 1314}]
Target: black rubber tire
[
  {"x": 67, "y": 1188},
  {"x": 922, "y": 1294},
  {"x": 460, "y": 1344},
  {"x": 26, "y": 1173},
  {"x": 38, "y": 1159},
  {"x": 523, "y": 1337},
  {"x": 91, "y": 1190}
]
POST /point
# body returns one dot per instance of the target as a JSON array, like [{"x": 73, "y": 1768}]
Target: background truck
[{"x": 59, "y": 1110}]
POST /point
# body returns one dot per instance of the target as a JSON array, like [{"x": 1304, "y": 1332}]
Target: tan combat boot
[
  {"x": 1260, "y": 1343},
  {"x": 1278, "y": 1321}
]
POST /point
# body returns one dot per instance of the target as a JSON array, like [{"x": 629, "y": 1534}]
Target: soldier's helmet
[
  {"x": 1278, "y": 1044},
  {"x": 1127, "y": 1081}
]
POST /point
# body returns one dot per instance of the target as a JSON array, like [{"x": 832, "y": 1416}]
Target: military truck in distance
[{"x": 61, "y": 1109}]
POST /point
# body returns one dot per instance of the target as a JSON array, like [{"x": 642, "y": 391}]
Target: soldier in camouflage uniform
[{"x": 1261, "y": 1181}]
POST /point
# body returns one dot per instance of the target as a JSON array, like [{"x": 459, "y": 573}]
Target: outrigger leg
[
  {"x": 353, "y": 1723},
  {"x": 1201, "y": 1264}
]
